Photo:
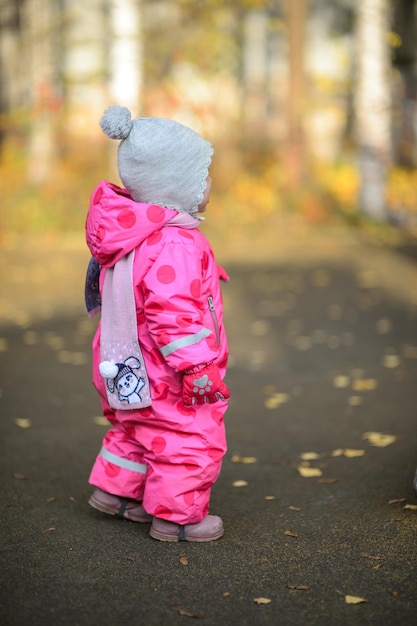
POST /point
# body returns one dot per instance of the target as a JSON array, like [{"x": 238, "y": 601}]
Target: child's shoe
[
  {"x": 121, "y": 507},
  {"x": 209, "y": 529}
]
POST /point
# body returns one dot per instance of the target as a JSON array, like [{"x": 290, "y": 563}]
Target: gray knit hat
[{"x": 160, "y": 161}]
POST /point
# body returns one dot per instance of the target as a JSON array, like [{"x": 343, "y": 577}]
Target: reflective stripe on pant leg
[{"x": 141, "y": 468}]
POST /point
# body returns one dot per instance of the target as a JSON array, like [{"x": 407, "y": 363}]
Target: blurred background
[{"x": 311, "y": 106}]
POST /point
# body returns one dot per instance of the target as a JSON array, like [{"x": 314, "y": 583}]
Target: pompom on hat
[{"x": 160, "y": 161}]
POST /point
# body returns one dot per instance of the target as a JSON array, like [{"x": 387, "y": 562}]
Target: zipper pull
[{"x": 210, "y": 303}]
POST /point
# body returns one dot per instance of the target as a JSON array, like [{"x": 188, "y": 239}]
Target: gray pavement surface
[{"x": 322, "y": 330}]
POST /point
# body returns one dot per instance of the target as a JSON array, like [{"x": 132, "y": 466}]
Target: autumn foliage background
[{"x": 197, "y": 66}]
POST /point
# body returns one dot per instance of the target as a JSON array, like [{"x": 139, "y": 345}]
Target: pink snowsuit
[{"x": 168, "y": 455}]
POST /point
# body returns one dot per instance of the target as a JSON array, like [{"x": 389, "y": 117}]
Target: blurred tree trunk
[
  {"x": 85, "y": 67},
  {"x": 39, "y": 23},
  {"x": 11, "y": 74},
  {"x": 295, "y": 144},
  {"x": 254, "y": 75},
  {"x": 126, "y": 54},
  {"x": 373, "y": 104},
  {"x": 405, "y": 95}
]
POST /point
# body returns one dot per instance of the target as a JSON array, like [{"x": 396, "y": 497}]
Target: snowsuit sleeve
[{"x": 176, "y": 306}]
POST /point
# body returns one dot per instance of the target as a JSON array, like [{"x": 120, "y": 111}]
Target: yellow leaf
[
  {"x": 338, "y": 452},
  {"x": 262, "y": 600},
  {"x": 100, "y": 421},
  {"x": 355, "y": 400},
  {"x": 351, "y": 454},
  {"x": 378, "y": 439},
  {"x": 23, "y": 422},
  {"x": 341, "y": 381},
  {"x": 243, "y": 459},
  {"x": 411, "y": 507},
  {"x": 364, "y": 384},
  {"x": 240, "y": 483},
  {"x": 270, "y": 497},
  {"x": 354, "y": 600},
  {"x": 309, "y": 456},
  {"x": 274, "y": 401},
  {"x": 308, "y": 472},
  {"x": 391, "y": 361}
]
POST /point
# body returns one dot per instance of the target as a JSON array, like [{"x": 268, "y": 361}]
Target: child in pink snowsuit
[{"x": 160, "y": 351}]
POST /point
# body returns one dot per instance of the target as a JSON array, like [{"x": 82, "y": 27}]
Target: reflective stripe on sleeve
[
  {"x": 141, "y": 468},
  {"x": 184, "y": 342}
]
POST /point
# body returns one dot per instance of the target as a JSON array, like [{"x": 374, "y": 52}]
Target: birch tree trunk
[
  {"x": 126, "y": 63},
  {"x": 39, "y": 21},
  {"x": 254, "y": 74},
  {"x": 296, "y": 18},
  {"x": 86, "y": 44},
  {"x": 373, "y": 104}
]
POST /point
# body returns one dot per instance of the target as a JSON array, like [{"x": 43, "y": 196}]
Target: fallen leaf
[
  {"x": 270, "y": 497},
  {"x": 355, "y": 400},
  {"x": 243, "y": 459},
  {"x": 340, "y": 382},
  {"x": 397, "y": 500},
  {"x": 51, "y": 499},
  {"x": 240, "y": 483},
  {"x": 100, "y": 421},
  {"x": 309, "y": 456},
  {"x": 48, "y": 530},
  {"x": 294, "y": 508},
  {"x": 391, "y": 361},
  {"x": 189, "y": 614},
  {"x": 378, "y": 439},
  {"x": 370, "y": 556},
  {"x": 354, "y": 600},
  {"x": 411, "y": 507},
  {"x": 274, "y": 401},
  {"x": 338, "y": 452},
  {"x": 226, "y": 594},
  {"x": 288, "y": 533},
  {"x": 377, "y": 566},
  {"x": 184, "y": 560},
  {"x": 351, "y": 453},
  {"x": 20, "y": 476},
  {"x": 72, "y": 499},
  {"x": 299, "y": 587},
  {"x": 364, "y": 384},
  {"x": 23, "y": 422},
  {"x": 262, "y": 600},
  {"x": 309, "y": 472}
]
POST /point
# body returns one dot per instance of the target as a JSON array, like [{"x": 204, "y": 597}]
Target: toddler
[{"x": 160, "y": 350}]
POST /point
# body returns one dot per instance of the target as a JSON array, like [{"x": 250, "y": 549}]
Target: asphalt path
[{"x": 316, "y": 488}]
